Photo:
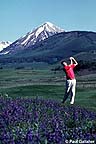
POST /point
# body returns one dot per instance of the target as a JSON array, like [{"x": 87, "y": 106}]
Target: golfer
[{"x": 70, "y": 79}]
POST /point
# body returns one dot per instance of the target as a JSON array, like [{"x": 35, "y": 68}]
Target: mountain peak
[
  {"x": 39, "y": 34},
  {"x": 47, "y": 29},
  {"x": 52, "y": 27},
  {"x": 48, "y": 24}
]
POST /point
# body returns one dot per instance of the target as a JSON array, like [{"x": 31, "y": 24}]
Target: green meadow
[{"x": 46, "y": 84}]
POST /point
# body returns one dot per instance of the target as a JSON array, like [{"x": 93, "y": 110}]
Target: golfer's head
[{"x": 64, "y": 63}]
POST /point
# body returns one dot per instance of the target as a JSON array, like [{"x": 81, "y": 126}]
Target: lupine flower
[{"x": 37, "y": 121}]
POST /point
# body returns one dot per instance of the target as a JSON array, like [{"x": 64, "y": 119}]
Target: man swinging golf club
[{"x": 70, "y": 79}]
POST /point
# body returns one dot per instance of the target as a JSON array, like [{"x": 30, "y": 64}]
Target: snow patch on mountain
[
  {"x": 25, "y": 41},
  {"x": 4, "y": 53},
  {"x": 4, "y": 44}
]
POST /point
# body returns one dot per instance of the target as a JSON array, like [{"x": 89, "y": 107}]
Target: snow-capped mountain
[
  {"x": 4, "y": 44},
  {"x": 40, "y": 33},
  {"x": 31, "y": 38}
]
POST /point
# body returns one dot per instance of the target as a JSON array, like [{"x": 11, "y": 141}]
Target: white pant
[{"x": 70, "y": 88}]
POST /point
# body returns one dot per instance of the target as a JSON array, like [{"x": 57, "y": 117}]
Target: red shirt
[{"x": 69, "y": 71}]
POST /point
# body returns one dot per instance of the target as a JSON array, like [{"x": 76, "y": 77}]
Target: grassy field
[{"x": 47, "y": 85}]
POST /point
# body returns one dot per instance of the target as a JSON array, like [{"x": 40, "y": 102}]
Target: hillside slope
[{"x": 81, "y": 44}]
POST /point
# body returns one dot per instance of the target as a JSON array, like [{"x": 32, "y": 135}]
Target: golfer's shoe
[{"x": 71, "y": 103}]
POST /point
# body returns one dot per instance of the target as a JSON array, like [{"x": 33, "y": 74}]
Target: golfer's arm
[
  {"x": 76, "y": 63},
  {"x": 71, "y": 61}
]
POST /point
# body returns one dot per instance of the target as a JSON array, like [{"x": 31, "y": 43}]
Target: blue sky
[{"x": 17, "y": 17}]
